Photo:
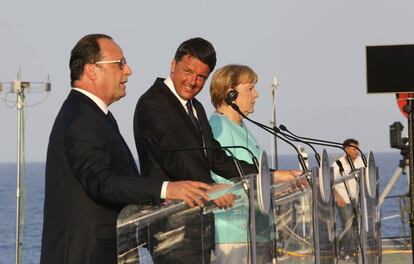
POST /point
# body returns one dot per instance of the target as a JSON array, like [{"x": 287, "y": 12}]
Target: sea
[{"x": 388, "y": 164}]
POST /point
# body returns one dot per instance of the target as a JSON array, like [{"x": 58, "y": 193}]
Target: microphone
[
  {"x": 339, "y": 163},
  {"x": 317, "y": 156},
  {"x": 261, "y": 192},
  {"x": 209, "y": 206},
  {"x": 226, "y": 148},
  {"x": 364, "y": 159},
  {"x": 276, "y": 130},
  {"x": 271, "y": 131},
  {"x": 348, "y": 158}
]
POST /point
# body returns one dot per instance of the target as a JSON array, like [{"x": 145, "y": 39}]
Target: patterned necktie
[{"x": 193, "y": 119}]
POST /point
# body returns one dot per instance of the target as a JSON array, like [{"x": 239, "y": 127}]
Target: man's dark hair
[
  {"x": 198, "y": 48},
  {"x": 350, "y": 141},
  {"x": 86, "y": 51}
]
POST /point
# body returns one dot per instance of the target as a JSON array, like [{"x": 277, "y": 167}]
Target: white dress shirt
[
  {"x": 352, "y": 183},
  {"x": 170, "y": 85},
  {"x": 98, "y": 101}
]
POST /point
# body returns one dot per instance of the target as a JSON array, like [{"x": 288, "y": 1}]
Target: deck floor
[{"x": 397, "y": 258}]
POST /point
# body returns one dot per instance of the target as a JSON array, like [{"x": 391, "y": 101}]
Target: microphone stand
[
  {"x": 226, "y": 148},
  {"x": 349, "y": 159},
  {"x": 250, "y": 194},
  {"x": 271, "y": 131},
  {"x": 351, "y": 163},
  {"x": 317, "y": 157},
  {"x": 364, "y": 159}
]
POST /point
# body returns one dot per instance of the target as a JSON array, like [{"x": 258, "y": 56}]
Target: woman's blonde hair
[{"x": 227, "y": 78}]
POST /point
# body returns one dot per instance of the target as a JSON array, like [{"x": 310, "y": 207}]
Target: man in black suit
[
  {"x": 169, "y": 117},
  {"x": 90, "y": 172},
  {"x": 163, "y": 122}
]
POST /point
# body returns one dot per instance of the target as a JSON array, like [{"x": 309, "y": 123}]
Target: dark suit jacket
[
  {"x": 161, "y": 123},
  {"x": 90, "y": 176}
]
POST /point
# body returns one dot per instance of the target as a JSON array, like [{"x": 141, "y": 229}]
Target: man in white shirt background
[{"x": 347, "y": 192}]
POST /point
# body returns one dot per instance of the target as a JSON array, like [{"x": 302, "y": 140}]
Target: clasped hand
[
  {"x": 195, "y": 193},
  {"x": 291, "y": 176}
]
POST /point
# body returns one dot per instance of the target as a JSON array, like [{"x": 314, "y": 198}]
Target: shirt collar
[
  {"x": 98, "y": 101},
  {"x": 170, "y": 85}
]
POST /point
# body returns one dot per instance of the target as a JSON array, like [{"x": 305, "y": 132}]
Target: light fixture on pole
[{"x": 20, "y": 88}]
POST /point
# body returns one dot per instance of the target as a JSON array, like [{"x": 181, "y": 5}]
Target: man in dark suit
[
  {"x": 163, "y": 122},
  {"x": 90, "y": 172},
  {"x": 168, "y": 117}
]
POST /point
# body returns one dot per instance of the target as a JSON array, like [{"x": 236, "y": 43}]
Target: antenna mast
[
  {"x": 20, "y": 88},
  {"x": 273, "y": 123}
]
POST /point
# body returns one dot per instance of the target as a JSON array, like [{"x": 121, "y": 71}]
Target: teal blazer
[{"x": 231, "y": 226}]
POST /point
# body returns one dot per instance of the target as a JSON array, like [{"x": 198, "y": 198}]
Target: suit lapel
[
  {"x": 75, "y": 95},
  {"x": 176, "y": 106}
]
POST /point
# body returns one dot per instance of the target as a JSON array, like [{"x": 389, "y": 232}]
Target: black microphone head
[{"x": 282, "y": 127}]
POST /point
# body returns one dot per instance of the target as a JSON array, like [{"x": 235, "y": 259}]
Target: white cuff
[{"x": 164, "y": 190}]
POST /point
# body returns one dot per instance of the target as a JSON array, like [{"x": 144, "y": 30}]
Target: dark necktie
[
  {"x": 195, "y": 123},
  {"x": 114, "y": 124},
  {"x": 112, "y": 120},
  {"x": 193, "y": 119}
]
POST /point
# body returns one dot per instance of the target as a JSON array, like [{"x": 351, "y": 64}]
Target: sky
[{"x": 315, "y": 49}]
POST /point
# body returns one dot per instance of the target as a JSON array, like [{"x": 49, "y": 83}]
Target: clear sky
[{"x": 316, "y": 49}]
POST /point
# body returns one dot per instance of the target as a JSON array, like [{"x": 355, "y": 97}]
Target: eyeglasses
[{"x": 121, "y": 62}]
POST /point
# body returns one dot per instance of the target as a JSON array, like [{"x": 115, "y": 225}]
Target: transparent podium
[
  {"x": 366, "y": 229},
  {"x": 324, "y": 212},
  {"x": 305, "y": 218},
  {"x": 294, "y": 223},
  {"x": 284, "y": 223},
  {"x": 175, "y": 233},
  {"x": 370, "y": 214}
]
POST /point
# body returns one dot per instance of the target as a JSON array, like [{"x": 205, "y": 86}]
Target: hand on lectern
[
  {"x": 224, "y": 201},
  {"x": 190, "y": 192},
  {"x": 286, "y": 175}
]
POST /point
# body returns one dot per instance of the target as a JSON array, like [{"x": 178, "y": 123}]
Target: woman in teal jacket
[{"x": 237, "y": 83}]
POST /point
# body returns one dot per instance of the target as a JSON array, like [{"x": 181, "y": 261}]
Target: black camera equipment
[{"x": 399, "y": 142}]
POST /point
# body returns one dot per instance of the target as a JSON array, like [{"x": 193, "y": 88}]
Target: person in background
[
  {"x": 344, "y": 199},
  {"x": 90, "y": 172},
  {"x": 237, "y": 84}
]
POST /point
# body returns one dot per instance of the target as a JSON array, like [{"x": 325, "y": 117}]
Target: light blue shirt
[{"x": 232, "y": 226}]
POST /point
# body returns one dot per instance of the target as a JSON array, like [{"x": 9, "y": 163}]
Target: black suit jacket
[
  {"x": 90, "y": 176},
  {"x": 161, "y": 123}
]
